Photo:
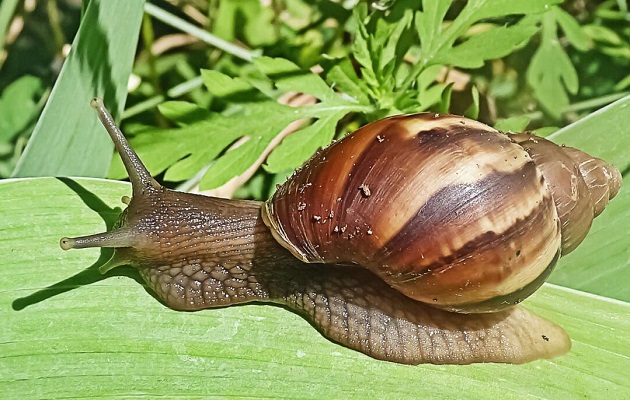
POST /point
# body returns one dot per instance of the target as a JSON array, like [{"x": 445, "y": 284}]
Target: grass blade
[{"x": 65, "y": 142}]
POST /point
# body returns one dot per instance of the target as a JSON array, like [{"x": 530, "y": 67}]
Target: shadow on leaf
[{"x": 91, "y": 274}]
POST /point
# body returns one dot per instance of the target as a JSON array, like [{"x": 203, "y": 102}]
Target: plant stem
[
  {"x": 55, "y": 26},
  {"x": 147, "y": 38},
  {"x": 207, "y": 37},
  {"x": 583, "y": 105}
]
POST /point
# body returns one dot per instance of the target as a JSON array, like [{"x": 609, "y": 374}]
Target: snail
[{"x": 411, "y": 240}]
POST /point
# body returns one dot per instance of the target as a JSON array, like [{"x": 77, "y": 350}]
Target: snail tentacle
[{"x": 138, "y": 173}]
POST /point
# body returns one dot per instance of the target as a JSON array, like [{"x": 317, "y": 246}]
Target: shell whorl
[
  {"x": 440, "y": 207},
  {"x": 581, "y": 185}
]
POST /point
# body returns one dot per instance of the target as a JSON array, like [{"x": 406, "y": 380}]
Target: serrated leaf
[
  {"x": 494, "y": 43},
  {"x": 432, "y": 95},
  {"x": 429, "y": 22},
  {"x": 428, "y": 76},
  {"x": 227, "y": 87},
  {"x": 270, "y": 118},
  {"x": 234, "y": 163},
  {"x": 68, "y": 139},
  {"x": 301, "y": 145},
  {"x": 513, "y": 124},
  {"x": 573, "y": 31},
  {"x": 160, "y": 149},
  {"x": 290, "y": 78},
  {"x": 246, "y": 19},
  {"x": 203, "y": 155},
  {"x": 273, "y": 67},
  {"x": 551, "y": 73},
  {"x": 192, "y": 148},
  {"x": 496, "y": 8},
  {"x": 68, "y": 331},
  {"x": 363, "y": 55},
  {"x": 603, "y": 34},
  {"x": 343, "y": 77},
  {"x": 17, "y": 106},
  {"x": 183, "y": 112},
  {"x": 391, "y": 29}
]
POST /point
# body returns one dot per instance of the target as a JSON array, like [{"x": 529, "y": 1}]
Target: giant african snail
[{"x": 462, "y": 220}]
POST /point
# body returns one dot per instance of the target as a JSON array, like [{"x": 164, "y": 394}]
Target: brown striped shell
[{"x": 445, "y": 209}]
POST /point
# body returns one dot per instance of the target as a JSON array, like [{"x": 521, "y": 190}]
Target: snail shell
[{"x": 445, "y": 209}]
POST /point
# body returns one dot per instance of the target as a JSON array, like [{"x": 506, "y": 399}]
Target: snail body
[{"x": 379, "y": 238}]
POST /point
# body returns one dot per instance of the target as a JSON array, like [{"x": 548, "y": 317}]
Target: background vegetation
[{"x": 228, "y": 97}]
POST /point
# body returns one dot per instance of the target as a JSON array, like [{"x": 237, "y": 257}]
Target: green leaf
[
  {"x": 270, "y": 118},
  {"x": 493, "y": 43},
  {"x": 512, "y": 124},
  {"x": 301, "y": 145},
  {"x": 68, "y": 139},
  {"x": 496, "y": 8},
  {"x": 252, "y": 117},
  {"x": 343, "y": 77},
  {"x": 196, "y": 145},
  {"x": 623, "y": 84},
  {"x": 603, "y": 34},
  {"x": 437, "y": 37},
  {"x": 473, "y": 110},
  {"x": 429, "y": 22},
  {"x": 222, "y": 85},
  {"x": 445, "y": 103},
  {"x": 392, "y": 31},
  {"x": 290, "y": 78},
  {"x": 573, "y": 31},
  {"x": 18, "y": 106},
  {"x": 183, "y": 112},
  {"x": 361, "y": 50},
  {"x": 68, "y": 331},
  {"x": 246, "y": 19},
  {"x": 432, "y": 96},
  {"x": 551, "y": 73},
  {"x": 7, "y": 8}
]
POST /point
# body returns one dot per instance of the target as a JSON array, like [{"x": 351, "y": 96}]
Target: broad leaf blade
[
  {"x": 496, "y": 42},
  {"x": 301, "y": 145},
  {"x": 67, "y": 140},
  {"x": 102, "y": 336}
]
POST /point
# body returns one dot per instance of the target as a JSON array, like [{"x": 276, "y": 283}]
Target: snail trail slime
[{"x": 410, "y": 240}]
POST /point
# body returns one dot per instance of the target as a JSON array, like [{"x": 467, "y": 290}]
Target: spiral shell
[
  {"x": 581, "y": 185},
  {"x": 445, "y": 209}
]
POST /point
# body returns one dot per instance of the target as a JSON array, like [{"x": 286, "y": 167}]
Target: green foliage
[
  {"x": 398, "y": 60},
  {"x": 181, "y": 150},
  {"x": 18, "y": 110},
  {"x": 550, "y": 72},
  {"x": 385, "y": 84},
  {"x": 99, "y": 65}
]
